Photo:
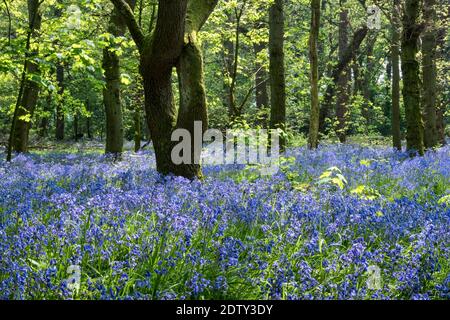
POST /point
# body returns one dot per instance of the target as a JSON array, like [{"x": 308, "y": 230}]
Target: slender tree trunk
[
  {"x": 342, "y": 91},
  {"x": 88, "y": 121},
  {"x": 395, "y": 53},
  {"x": 137, "y": 129},
  {"x": 440, "y": 122},
  {"x": 367, "y": 83},
  {"x": 30, "y": 92},
  {"x": 277, "y": 70},
  {"x": 75, "y": 127},
  {"x": 43, "y": 126},
  {"x": 228, "y": 58},
  {"x": 443, "y": 98},
  {"x": 60, "y": 121},
  {"x": 261, "y": 77},
  {"x": 234, "y": 112},
  {"x": 411, "y": 77},
  {"x": 429, "y": 74},
  {"x": 314, "y": 75}
]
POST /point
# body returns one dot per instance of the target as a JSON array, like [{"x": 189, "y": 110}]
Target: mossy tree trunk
[
  {"x": 173, "y": 44},
  {"x": 313, "y": 141},
  {"x": 411, "y": 77},
  {"x": 30, "y": 88},
  {"x": 111, "y": 92}
]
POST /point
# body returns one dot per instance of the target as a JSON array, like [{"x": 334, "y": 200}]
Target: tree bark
[
  {"x": 43, "y": 126},
  {"x": 411, "y": 77},
  {"x": 60, "y": 121},
  {"x": 347, "y": 57},
  {"x": 75, "y": 127},
  {"x": 367, "y": 84},
  {"x": 228, "y": 60},
  {"x": 443, "y": 98},
  {"x": 111, "y": 92},
  {"x": 30, "y": 91},
  {"x": 395, "y": 54},
  {"x": 429, "y": 73},
  {"x": 137, "y": 129},
  {"x": 261, "y": 76},
  {"x": 313, "y": 141},
  {"x": 88, "y": 121},
  {"x": 277, "y": 70},
  {"x": 172, "y": 44},
  {"x": 342, "y": 90}
]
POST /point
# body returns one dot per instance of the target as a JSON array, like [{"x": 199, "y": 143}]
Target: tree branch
[{"x": 128, "y": 16}]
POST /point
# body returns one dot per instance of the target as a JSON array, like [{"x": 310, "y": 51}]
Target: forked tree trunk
[
  {"x": 411, "y": 77},
  {"x": 172, "y": 44}
]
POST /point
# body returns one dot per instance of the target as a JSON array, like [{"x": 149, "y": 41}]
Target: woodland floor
[{"x": 315, "y": 230}]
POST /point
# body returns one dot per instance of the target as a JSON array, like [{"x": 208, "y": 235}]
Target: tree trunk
[
  {"x": 157, "y": 63},
  {"x": 261, "y": 76},
  {"x": 411, "y": 77},
  {"x": 367, "y": 84},
  {"x": 30, "y": 91},
  {"x": 173, "y": 44},
  {"x": 43, "y": 125},
  {"x": 277, "y": 73},
  {"x": 192, "y": 93},
  {"x": 429, "y": 74},
  {"x": 234, "y": 112},
  {"x": 440, "y": 122},
  {"x": 60, "y": 122},
  {"x": 75, "y": 127},
  {"x": 111, "y": 93},
  {"x": 348, "y": 56},
  {"x": 137, "y": 129},
  {"x": 314, "y": 75},
  {"x": 342, "y": 90},
  {"x": 443, "y": 98},
  {"x": 395, "y": 53},
  {"x": 228, "y": 58},
  {"x": 88, "y": 121}
]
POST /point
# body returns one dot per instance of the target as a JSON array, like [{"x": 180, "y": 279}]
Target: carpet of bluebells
[{"x": 312, "y": 231}]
